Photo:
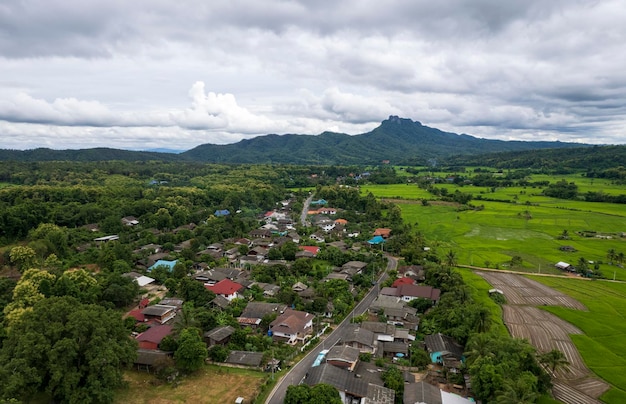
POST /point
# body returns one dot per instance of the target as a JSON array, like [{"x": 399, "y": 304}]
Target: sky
[{"x": 149, "y": 74}]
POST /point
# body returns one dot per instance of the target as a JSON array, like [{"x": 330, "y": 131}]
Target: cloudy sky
[{"x": 147, "y": 74}]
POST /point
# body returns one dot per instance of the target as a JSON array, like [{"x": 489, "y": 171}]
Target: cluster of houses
[{"x": 357, "y": 381}]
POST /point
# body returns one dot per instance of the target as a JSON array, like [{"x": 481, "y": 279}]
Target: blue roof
[
  {"x": 223, "y": 212},
  {"x": 164, "y": 263},
  {"x": 319, "y": 202},
  {"x": 376, "y": 240}
]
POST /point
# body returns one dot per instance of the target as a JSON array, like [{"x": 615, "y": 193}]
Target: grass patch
[
  {"x": 480, "y": 293},
  {"x": 211, "y": 384}
]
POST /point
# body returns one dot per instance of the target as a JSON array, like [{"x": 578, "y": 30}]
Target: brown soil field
[{"x": 546, "y": 331}]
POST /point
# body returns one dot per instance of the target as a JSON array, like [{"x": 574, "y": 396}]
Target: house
[
  {"x": 255, "y": 311},
  {"x": 245, "y": 358},
  {"x": 564, "y": 266},
  {"x": 384, "y": 233},
  {"x": 169, "y": 265},
  {"x": 226, "y": 288},
  {"x": 353, "y": 267},
  {"x": 188, "y": 227},
  {"x": 359, "y": 338},
  {"x": 313, "y": 250},
  {"x": 299, "y": 287},
  {"x": 221, "y": 212},
  {"x": 218, "y": 336},
  {"x": 147, "y": 358},
  {"x": 376, "y": 240},
  {"x": 421, "y": 392},
  {"x": 327, "y": 211},
  {"x": 444, "y": 350},
  {"x": 137, "y": 315},
  {"x": 220, "y": 302},
  {"x": 415, "y": 272},
  {"x": 408, "y": 292},
  {"x": 319, "y": 202},
  {"x": 184, "y": 245},
  {"x": 209, "y": 277},
  {"x": 172, "y": 301},
  {"x": 130, "y": 221},
  {"x": 143, "y": 281},
  {"x": 292, "y": 326},
  {"x": 343, "y": 356},
  {"x": 402, "y": 281},
  {"x": 159, "y": 312},
  {"x": 106, "y": 239},
  {"x": 152, "y": 337},
  {"x": 295, "y": 237},
  {"x": 260, "y": 233},
  {"x": 382, "y": 331},
  {"x": 352, "y": 387},
  {"x": 395, "y": 349},
  {"x": 318, "y": 237}
]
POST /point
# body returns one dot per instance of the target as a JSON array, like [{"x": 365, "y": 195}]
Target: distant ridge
[{"x": 399, "y": 140}]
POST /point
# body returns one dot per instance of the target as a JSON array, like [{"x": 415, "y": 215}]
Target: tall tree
[
  {"x": 76, "y": 357},
  {"x": 191, "y": 351}
]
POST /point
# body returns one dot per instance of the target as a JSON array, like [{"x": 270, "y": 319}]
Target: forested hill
[
  {"x": 399, "y": 140},
  {"x": 587, "y": 158},
  {"x": 396, "y": 139},
  {"x": 96, "y": 154}
]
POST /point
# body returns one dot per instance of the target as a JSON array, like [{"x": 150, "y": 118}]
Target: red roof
[
  {"x": 310, "y": 248},
  {"x": 402, "y": 281},
  {"x": 225, "y": 287},
  {"x": 155, "y": 334},
  {"x": 137, "y": 314}
]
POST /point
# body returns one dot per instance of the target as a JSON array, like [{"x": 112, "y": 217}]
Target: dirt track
[{"x": 545, "y": 331}]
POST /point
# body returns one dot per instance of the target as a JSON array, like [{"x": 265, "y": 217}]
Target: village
[{"x": 265, "y": 319}]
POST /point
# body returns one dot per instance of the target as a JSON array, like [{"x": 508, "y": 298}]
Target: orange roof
[
  {"x": 341, "y": 221},
  {"x": 382, "y": 232}
]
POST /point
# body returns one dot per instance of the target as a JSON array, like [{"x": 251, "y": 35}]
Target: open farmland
[
  {"x": 602, "y": 344},
  {"x": 574, "y": 384},
  {"x": 516, "y": 221}
]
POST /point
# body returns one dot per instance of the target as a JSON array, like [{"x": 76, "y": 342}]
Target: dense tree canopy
[{"x": 75, "y": 352}]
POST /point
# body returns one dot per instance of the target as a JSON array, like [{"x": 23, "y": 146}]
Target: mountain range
[{"x": 398, "y": 140}]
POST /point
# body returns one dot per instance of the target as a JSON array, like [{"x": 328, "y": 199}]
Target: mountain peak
[{"x": 396, "y": 120}]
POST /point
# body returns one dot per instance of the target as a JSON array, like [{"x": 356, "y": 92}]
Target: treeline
[{"x": 561, "y": 161}]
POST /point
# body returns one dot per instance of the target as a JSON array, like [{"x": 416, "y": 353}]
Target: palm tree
[
  {"x": 611, "y": 255},
  {"x": 620, "y": 258},
  {"x": 554, "y": 360},
  {"x": 482, "y": 319},
  {"x": 519, "y": 391},
  {"x": 450, "y": 259},
  {"x": 479, "y": 346}
]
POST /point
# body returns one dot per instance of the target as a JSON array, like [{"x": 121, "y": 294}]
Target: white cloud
[{"x": 530, "y": 69}]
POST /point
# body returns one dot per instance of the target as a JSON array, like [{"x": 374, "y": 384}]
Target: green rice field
[
  {"x": 603, "y": 345},
  {"x": 516, "y": 221}
]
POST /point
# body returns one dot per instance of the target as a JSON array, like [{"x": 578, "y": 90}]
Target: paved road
[
  {"x": 298, "y": 371},
  {"x": 305, "y": 209}
]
